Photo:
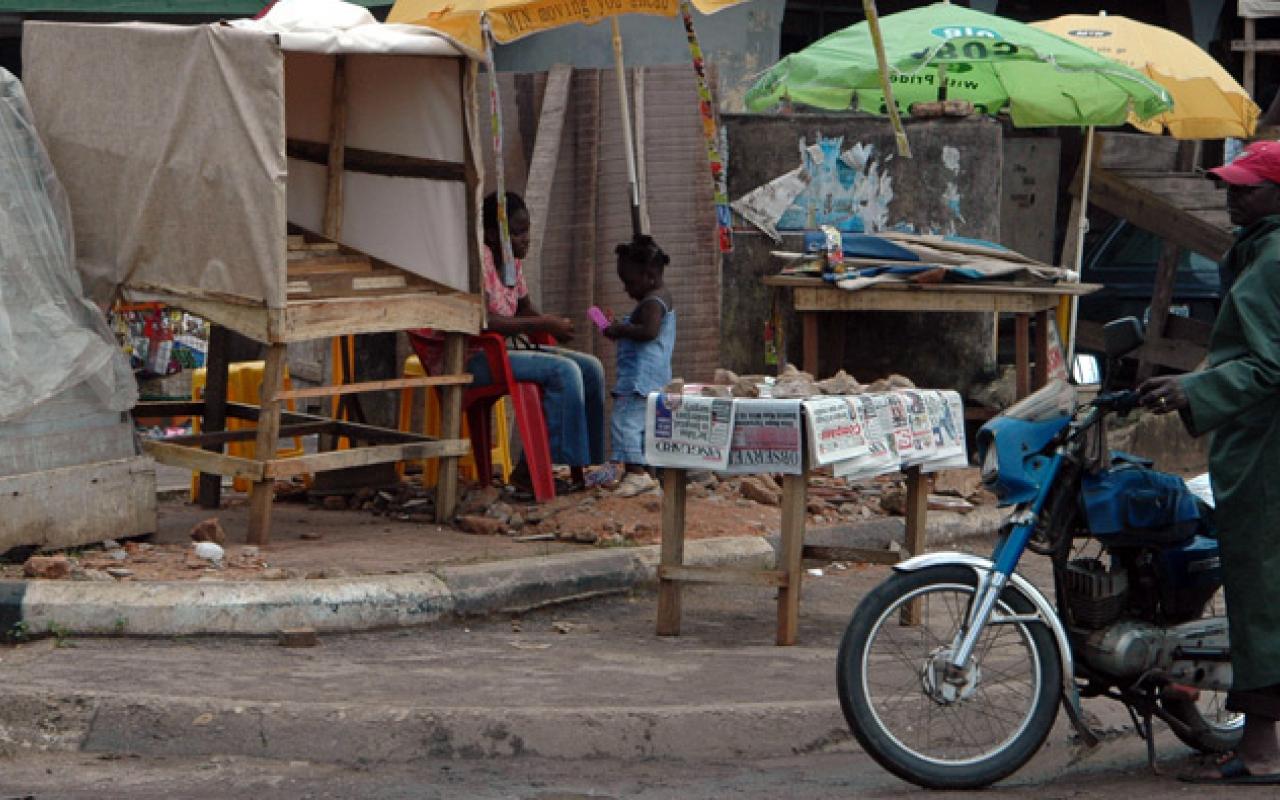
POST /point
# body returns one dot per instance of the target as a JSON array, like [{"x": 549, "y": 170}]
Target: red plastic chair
[{"x": 477, "y": 404}]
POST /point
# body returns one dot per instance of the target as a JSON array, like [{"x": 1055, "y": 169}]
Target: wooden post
[
  {"x": 214, "y": 419},
  {"x": 1021, "y": 356},
  {"x": 451, "y": 428},
  {"x": 809, "y": 324},
  {"x": 1040, "y": 375},
  {"x": 1161, "y": 297},
  {"x": 917, "y": 522},
  {"x": 673, "y": 506},
  {"x": 337, "y": 151},
  {"x": 794, "y": 499},
  {"x": 1250, "y": 54},
  {"x": 263, "y": 491}
]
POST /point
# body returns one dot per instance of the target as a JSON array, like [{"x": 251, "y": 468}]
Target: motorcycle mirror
[
  {"x": 1122, "y": 336},
  {"x": 1085, "y": 370}
]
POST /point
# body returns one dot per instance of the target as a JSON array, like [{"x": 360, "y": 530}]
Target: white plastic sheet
[{"x": 51, "y": 337}]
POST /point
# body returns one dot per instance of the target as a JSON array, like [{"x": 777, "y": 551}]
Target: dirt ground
[{"x": 393, "y": 531}]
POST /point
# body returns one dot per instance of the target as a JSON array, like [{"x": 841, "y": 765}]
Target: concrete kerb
[{"x": 263, "y": 608}]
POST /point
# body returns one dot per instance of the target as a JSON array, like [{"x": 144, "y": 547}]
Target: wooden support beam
[
  {"x": 373, "y": 162},
  {"x": 451, "y": 428},
  {"x": 862, "y": 555},
  {"x": 1022, "y": 361},
  {"x": 281, "y": 468},
  {"x": 1151, "y": 212},
  {"x": 672, "y": 555},
  {"x": 335, "y": 159},
  {"x": 224, "y": 437},
  {"x": 214, "y": 415},
  {"x": 917, "y": 523},
  {"x": 376, "y": 386},
  {"x": 1161, "y": 297},
  {"x": 203, "y": 461},
  {"x": 794, "y": 499},
  {"x": 263, "y": 491}
]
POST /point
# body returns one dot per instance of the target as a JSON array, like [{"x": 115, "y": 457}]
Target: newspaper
[
  {"x": 835, "y": 432},
  {"x": 922, "y": 447},
  {"x": 689, "y": 432},
  {"x": 873, "y": 413},
  {"x": 946, "y": 412},
  {"x": 766, "y": 437}
]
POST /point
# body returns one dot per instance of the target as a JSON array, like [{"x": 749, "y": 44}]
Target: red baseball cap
[{"x": 1259, "y": 163}]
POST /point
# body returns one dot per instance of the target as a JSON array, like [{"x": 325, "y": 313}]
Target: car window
[{"x": 1132, "y": 247}]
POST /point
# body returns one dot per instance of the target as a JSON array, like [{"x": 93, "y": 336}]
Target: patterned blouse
[{"x": 501, "y": 300}]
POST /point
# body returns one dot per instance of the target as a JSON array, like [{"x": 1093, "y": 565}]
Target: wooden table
[
  {"x": 788, "y": 574},
  {"x": 814, "y": 296}
]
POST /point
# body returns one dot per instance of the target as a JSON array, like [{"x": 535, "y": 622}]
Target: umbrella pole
[
  {"x": 1082, "y": 227},
  {"x": 508, "y": 270},
  {"x": 628, "y": 139},
  {"x": 710, "y": 132}
]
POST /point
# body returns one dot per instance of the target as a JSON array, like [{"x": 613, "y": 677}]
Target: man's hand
[
  {"x": 1163, "y": 394},
  {"x": 559, "y": 327}
]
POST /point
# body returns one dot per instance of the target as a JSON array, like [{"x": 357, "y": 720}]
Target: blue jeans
[{"x": 572, "y": 398}]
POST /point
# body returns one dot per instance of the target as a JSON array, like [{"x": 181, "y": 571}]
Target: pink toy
[{"x": 597, "y": 316}]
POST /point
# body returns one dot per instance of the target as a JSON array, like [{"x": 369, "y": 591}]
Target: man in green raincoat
[{"x": 1236, "y": 398}]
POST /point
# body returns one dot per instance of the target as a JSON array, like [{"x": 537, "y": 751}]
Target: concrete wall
[
  {"x": 738, "y": 43},
  {"x": 942, "y": 350}
]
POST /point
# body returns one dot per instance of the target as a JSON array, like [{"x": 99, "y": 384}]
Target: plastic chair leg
[
  {"x": 481, "y": 440},
  {"x": 526, "y": 399}
]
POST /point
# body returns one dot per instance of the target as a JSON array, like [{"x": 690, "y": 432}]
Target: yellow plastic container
[{"x": 244, "y": 382}]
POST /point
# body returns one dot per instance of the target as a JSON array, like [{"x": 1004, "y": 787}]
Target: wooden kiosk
[{"x": 287, "y": 187}]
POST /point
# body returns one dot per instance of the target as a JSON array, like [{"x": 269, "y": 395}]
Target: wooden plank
[
  {"x": 376, "y": 386},
  {"x": 197, "y": 460},
  {"x": 724, "y": 575},
  {"x": 254, "y": 321},
  {"x": 78, "y": 505},
  {"x": 319, "y": 319},
  {"x": 332, "y": 220},
  {"x": 794, "y": 498},
  {"x": 809, "y": 344},
  {"x": 373, "y": 162},
  {"x": 672, "y": 551},
  {"x": 244, "y": 435},
  {"x": 917, "y": 524},
  {"x": 298, "y": 243},
  {"x": 1170, "y": 353},
  {"x": 1040, "y": 372},
  {"x": 214, "y": 417},
  {"x": 281, "y": 468},
  {"x": 862, "y": 555},
  {"x": 1161, "y": 297},
  {"x": 1188, "y": 330},
  {"x": 542, "y": 170},
  {"x": 1021, "y": 355},
  {"x": 1150, "y": 212},
  {"x": 451, "y": 427},
  {"x": 1051, "y": 291},
  {"x": 304, "y": 262},
  {"x": 263, "y": 491},
  {"x": 345, "y": 282}
]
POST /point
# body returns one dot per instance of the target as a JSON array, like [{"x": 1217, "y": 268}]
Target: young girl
[{"x": 645, "y": 340}]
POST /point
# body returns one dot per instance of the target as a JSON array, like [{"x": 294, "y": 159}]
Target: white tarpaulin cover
[
  {"x": 171, "y": 141},
  {"x": 51, "y": 338},
  {"x": 332, "y": 26}
]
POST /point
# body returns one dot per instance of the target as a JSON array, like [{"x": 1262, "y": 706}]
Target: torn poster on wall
[{"x": 850, "y": 189}]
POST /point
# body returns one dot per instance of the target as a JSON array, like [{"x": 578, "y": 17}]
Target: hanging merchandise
[{"x": 724, "y": 217}]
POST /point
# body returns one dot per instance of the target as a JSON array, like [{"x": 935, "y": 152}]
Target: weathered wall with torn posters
[{"x": 789, "y": 173}]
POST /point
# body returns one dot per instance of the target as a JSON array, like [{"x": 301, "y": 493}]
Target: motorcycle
[{"x": 951, "y": 671}]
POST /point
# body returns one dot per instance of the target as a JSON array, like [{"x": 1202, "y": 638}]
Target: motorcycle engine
[
  {"x": 1126, "y": 649},
  {"x": 1095, "y": 596}
]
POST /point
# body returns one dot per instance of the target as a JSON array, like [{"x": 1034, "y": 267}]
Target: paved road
[{"x": 573, "y": 702}]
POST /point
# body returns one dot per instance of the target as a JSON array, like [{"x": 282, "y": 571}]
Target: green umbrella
[{"x": 943, "y": 50}]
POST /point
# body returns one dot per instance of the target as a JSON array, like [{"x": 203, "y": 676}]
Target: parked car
[{"x": 1123, "y": 260}]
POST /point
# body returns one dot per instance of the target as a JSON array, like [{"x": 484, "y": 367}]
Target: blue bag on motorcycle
[{"x": 1133, "y": 504}]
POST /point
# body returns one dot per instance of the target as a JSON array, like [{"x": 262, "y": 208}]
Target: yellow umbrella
[
  {"x": 476, "y": 24},
  {"x": 1207, "y": 101},
  {"x": 510, "y": 20}
]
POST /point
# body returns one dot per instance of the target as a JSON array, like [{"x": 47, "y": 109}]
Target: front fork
[{"x": 1009, "y": 549}]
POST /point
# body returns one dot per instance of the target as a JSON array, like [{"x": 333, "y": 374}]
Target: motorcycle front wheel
[{"x": 936, "y": 733}]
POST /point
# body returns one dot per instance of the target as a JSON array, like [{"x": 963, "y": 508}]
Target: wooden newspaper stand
[{"x": 305, "y": 187}]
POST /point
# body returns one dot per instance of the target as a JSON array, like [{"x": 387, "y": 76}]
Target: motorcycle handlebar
[{"x": 1119, "y": 402}]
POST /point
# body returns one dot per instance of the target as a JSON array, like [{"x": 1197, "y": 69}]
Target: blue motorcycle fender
[{"x": 1044, "y": 610}]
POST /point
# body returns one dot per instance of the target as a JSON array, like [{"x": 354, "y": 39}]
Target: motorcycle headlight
[{"x": 990, "y": 463}]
